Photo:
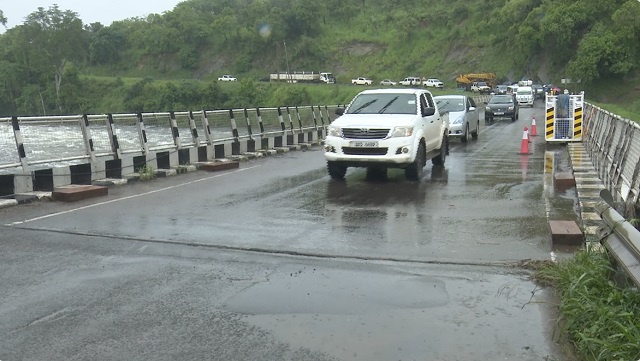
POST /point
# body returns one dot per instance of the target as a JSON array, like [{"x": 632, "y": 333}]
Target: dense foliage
[
  {"x": 600, "y": 318},
  {"x": 53, "y": 63}
]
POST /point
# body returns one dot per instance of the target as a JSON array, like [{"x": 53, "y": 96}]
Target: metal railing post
[
  {"x": 234, "y": 128},
  {"x": 174, "y": 130},
  {"x": 142, "y": 134},
  {"x": 20, "y": 144},
  {"x": 113, "y": 137},
  {"x": 207, "y": 128},
  {"x": 246, "y": 117},
  {"x": 194, "y": 129},
  {"x": 86, "y": 136},
  {"x": 260, "y": 124}
]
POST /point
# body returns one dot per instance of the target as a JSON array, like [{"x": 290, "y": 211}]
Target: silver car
[{"x": 464, "y": 117}]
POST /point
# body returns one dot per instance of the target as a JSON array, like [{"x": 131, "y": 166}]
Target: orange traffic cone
[
  {"x": 533, "y": 126},
  {"x": 524, "y": 147}
]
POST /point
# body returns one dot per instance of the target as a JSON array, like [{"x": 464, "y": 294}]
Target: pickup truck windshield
[{"x": 383, "y": 104}]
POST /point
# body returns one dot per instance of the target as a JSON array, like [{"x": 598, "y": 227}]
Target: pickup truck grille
[
  {"x": 364, "y": 133},
  {"x": 364, "y": 151}
]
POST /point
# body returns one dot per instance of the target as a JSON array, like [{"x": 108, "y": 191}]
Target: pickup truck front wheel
[
  {"x": 336, "y": 171},
  {"x": 439, "y": 159},
  {"x": 414, "y": 171}
]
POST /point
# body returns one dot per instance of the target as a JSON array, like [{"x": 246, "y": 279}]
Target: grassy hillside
[{"x": 173, "y": 59}]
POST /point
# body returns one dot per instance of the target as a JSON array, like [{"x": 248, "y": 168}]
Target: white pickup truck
[
  {"x": 387, "y": 128},
  {"x": 361, "y": 81},
  {"x": 433, "y": 82}
]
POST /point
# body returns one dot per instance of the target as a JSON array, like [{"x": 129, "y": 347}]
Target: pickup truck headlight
[
  {"x": 458, "y": 120},
  {"x": 334, "y": 131},
  {"x": 488, "y": 109},
  {"x": 402, "y": 132},
  {"x": 511, "y": 108}
]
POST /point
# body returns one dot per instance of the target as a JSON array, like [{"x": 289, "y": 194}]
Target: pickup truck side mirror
[
  {"x": 428, "y": 112},
  {"x": 340, "y": 111}
]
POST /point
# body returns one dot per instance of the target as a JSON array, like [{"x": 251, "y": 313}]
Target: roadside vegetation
[
  {"x": 55, "y": 64},
  {"x": 599, "y": 317}
]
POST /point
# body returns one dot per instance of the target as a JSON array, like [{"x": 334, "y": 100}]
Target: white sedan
[
  {"x": 464, "y": 117},
  {"x": 388, "y": 82}
]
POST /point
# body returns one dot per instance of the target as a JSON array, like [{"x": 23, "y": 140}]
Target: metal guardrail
[
  {"x": 30, "y": 141},
  {"x": 621, "y": 238}
]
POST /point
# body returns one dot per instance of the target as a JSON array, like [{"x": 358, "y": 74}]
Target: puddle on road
[
  {"x": 311, "y": 291},
  {"x": 448, "y": 314}
]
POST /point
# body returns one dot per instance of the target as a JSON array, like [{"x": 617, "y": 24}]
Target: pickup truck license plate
[
  {"x": 499, "y": 113},
  {"x": 363, "y": 144}
]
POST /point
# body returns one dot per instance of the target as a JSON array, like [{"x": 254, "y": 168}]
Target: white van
[{"x": 525, "y": 96}]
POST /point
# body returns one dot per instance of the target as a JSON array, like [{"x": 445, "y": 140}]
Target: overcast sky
[{"x": 90, "y": 11}]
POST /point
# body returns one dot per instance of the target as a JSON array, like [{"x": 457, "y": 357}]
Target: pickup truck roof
[{"x": 395, "y": 91}]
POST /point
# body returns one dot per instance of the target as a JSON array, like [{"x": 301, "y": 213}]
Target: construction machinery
[{"x": 464, "y": 81}]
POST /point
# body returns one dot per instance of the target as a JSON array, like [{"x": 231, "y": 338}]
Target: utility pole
[{"x": 286, "y": 58}]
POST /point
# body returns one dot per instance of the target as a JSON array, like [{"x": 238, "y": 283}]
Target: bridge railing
[{"x": 31, "y": 141}]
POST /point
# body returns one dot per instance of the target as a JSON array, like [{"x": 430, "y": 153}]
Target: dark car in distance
[
  {"x": 501, "y": 106},
  {"x": 501, "y": 89}
]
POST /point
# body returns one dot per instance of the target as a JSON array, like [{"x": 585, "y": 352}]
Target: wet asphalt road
[{"x": 275, "y": 261}]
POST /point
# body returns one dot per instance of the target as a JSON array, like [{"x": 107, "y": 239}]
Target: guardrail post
[
  {"x": 299, "y": 120},
  {"x": 290, "y": 120},
  {"x": 234, "y": 128},
  {"x": 113, "y": 137},
  {"x": 194, "y": 129},
  {"x": 321, "y": 116},
  {"x": 246, "y": 117},
  {"x": 315, "y": 120},
  {"x": 326, "y": 109},
  {"x": 20, "y": 144},
  {"x": 174, "y": 130},
  {"x": 207, "y": 128},
  {"x": 260, "y": 124},
  {"x": 26, "y": 179},
  {"x": 281, "y": 119},
  {"x": 142, "y": 134},
  {"x": 235, "y": 147},
  {"x": 86, "y": 136}
]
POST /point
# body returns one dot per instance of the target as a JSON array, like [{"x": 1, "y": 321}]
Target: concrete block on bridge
[
  {"x": 563, "y": 181},
  {"x": 73, "y": 193},
  {"x": 566, "y": 233},
  {"x": 217, "y": 166}
]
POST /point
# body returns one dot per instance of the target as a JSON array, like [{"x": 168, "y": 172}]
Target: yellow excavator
[{"x": 464, "y": 81}]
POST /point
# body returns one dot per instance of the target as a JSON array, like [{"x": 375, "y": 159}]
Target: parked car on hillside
[
  {"x": 502, "y": 106},
  {"x": 464, "y": 117},
  {"x": 433, "y": 82},
  {"x": 480, "y": 87},
  {"x": 361, "y": 81},
  {"x": 388, "y": 82},
  {"x": 227, "y": 78},
  {"x": 410, "y": 80}
]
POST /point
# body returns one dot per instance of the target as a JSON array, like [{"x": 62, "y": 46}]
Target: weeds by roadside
[
  {"x": 601, "y": 319},
  {"x": 146, "y": 173}
]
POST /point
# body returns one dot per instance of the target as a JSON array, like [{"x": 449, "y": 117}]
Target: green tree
[
  {"x": 3, "y": 19},
  {"x": 107, "y": 45},
  {"x": 53, "y": 38}
]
